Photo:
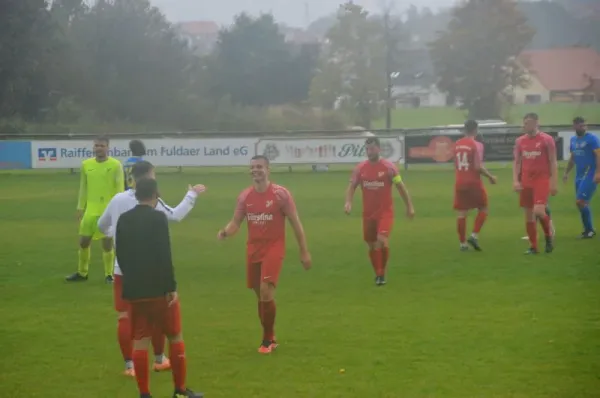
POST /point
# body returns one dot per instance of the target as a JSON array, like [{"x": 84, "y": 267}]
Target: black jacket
[{"x": 143, "y": 250}]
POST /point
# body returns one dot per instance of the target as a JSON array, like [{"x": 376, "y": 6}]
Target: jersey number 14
[{"x": 462, "y": 161}]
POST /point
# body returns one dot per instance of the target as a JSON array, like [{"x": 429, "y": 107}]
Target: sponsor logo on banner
[
  {"x": 326, "y": 150},
  {"x": 15, "y": 155},
  {"x": 47, "y": 154},
  {"x": 161, "y": 152}
]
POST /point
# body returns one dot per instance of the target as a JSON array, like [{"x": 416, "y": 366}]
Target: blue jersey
[
  {"x": 127, "y": 170},
  {"x": 583, "y": 150}
]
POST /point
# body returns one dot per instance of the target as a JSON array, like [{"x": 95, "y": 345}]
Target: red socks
[
  {"x": 532, "y": 233},
  {"x": 268, "y": 311},
  {"x": 124, "y": 336},
  {"x": 545, "y": 221},
  {"x": 376, "y": 257},
  {"x": 158, "y": 342},
  {"x": 140, "y": 365},
  {"x": 479, "y": 221},
  {"x": 178, "y": 364},
  {"x": 461, "y": 227},
  {"x": 385, "y": 255}
]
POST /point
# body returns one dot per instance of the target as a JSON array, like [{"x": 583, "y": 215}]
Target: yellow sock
[
  {"x": 84, "y": 261},
  {"x": 108, "y": 258}
]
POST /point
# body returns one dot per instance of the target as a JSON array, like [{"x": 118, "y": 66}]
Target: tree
[
  {"x": 254, "y": 65},
  {"x": 352, "y": 66},
  {"x": 476, "y": 57}
]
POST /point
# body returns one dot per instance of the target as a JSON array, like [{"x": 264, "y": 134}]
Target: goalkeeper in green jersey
[{"x": 101, "y": 179}]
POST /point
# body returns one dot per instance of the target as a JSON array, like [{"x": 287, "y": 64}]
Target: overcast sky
[{"x": 291, "y": 12}]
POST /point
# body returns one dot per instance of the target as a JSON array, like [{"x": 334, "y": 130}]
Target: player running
[
  {"x": 265, "y": 206},
  {"x": 144, "y": 253},
  {"x": 534, "y": 177},
  {"x": 101, "y": 179},
  {"x": 120, "y": 204},
  {"x": 585, "y": 156},
  {"x": 138, "y": 151},
  {"x": 376, "y": 176},
  {"x": 469, "y": 192}
]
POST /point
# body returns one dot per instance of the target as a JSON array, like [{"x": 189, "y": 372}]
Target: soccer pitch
[{"x": 495, "y": 324}]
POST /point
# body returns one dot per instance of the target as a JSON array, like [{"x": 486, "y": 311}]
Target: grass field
[
  {"x": 495, "y": 324},
  {"x": 554, "y": 113}
]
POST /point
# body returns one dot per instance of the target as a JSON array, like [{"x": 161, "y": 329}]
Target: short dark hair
[
  {"x": 146, "y": 189},
  {"x": 579, "y": 120},
  {"x": 261, "y": 157},
  {"x": 471, "y": 125},
  {"x": 137, "y": 148},
  {"x": 102, "y": 138},
  {"x": 141, "y": 169},
  {"x": 531, "y": 115},
  {"x": 372, "y": 141}
]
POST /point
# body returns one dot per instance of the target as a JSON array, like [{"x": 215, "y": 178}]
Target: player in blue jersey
[
  {"x": 585, "y": 157},
  {"x": 138, "y": 151}
]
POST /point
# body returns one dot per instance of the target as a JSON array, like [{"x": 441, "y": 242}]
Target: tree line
[{"x": 120, "y": 64}]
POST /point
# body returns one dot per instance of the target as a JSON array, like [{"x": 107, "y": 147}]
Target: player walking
[
  {"x": 534, "y": 177},
  {"x": 138, "y": 151},
  {"x": 265, "y": 206},
  {"x": 101, "y": 179},
  {"x": 144, "y": 254},
  {"x": 585, "y": 156},
  {"x": 376, "y": 176},
  {"x": 469, "y": 192},
  {"x": 120, "y": 204}
]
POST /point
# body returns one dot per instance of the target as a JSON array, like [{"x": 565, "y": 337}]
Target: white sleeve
[
  {"x": 182, "y": 210},
  {"x": 106, "y": 219}
]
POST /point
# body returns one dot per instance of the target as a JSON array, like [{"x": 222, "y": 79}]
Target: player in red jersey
[
  {"x": 376, "y": 176},
  {"x": 535, "y": 172},
  {"x": 469, "y": 192},
  {"x": 265, "y": 206}
]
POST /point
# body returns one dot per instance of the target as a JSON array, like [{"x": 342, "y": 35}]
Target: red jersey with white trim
[
  {"x": 375, "y": 180},
  {"x": 535, "y": 156},
  {"x": 265, "y": 213},
  {"x": 468, "y": 157}
]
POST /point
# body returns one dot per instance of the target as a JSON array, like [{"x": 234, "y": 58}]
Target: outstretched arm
[
  {"x": 239, "y": 214},
  {"x": 181, "y": 210}
]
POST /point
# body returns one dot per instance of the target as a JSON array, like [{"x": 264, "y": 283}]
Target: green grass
[
  {"x": 554, "y": 113},
  {"x": 495, "y": 324}
]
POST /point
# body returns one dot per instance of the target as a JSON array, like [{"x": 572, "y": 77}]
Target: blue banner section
[{"x": 15, "y": 155}]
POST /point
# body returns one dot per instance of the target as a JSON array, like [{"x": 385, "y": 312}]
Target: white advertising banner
[
  {"x": 326, "y": 150},
  {"x": 161, "y": 152}
]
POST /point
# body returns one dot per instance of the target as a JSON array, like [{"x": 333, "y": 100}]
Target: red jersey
[
  {"x": 265, "y": 213},
  {"x": 535, "y": 156},
  {"x": 375, "y": 180},
  {"x": 468, "y": 156}
]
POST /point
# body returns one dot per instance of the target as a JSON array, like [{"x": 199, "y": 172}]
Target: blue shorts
[{"x": 585, "y": 188}]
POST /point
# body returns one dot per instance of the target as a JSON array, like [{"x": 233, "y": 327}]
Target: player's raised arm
[
  {"x": 402, "y": 190},
  {"x": 288, "y": 207},
  {"x": 239, "y": 214},
  {"x": 184, "y": 207},
  {"x": 354, "y": 183},
  {"x": 552, "y": 158},
  {"x": 517, "y": 163},
  {"x": 82, "y": 199}
]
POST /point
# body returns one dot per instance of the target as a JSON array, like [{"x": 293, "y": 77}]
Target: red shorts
[
  {"x": 155, "y": 314},
  {"x": 469, "y": 197},
  {"x": 120, "y": 304},
  {"x": 266, "y": 269},
  {"x": 372, "y": 228},
  {"x": 536, "y": 193}
]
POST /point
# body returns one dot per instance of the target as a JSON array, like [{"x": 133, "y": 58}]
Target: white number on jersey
[{"x": 462, "y": 161}]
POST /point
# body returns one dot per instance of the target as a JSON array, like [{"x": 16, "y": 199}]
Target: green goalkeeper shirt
[{"x": 99, "y": 182}]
